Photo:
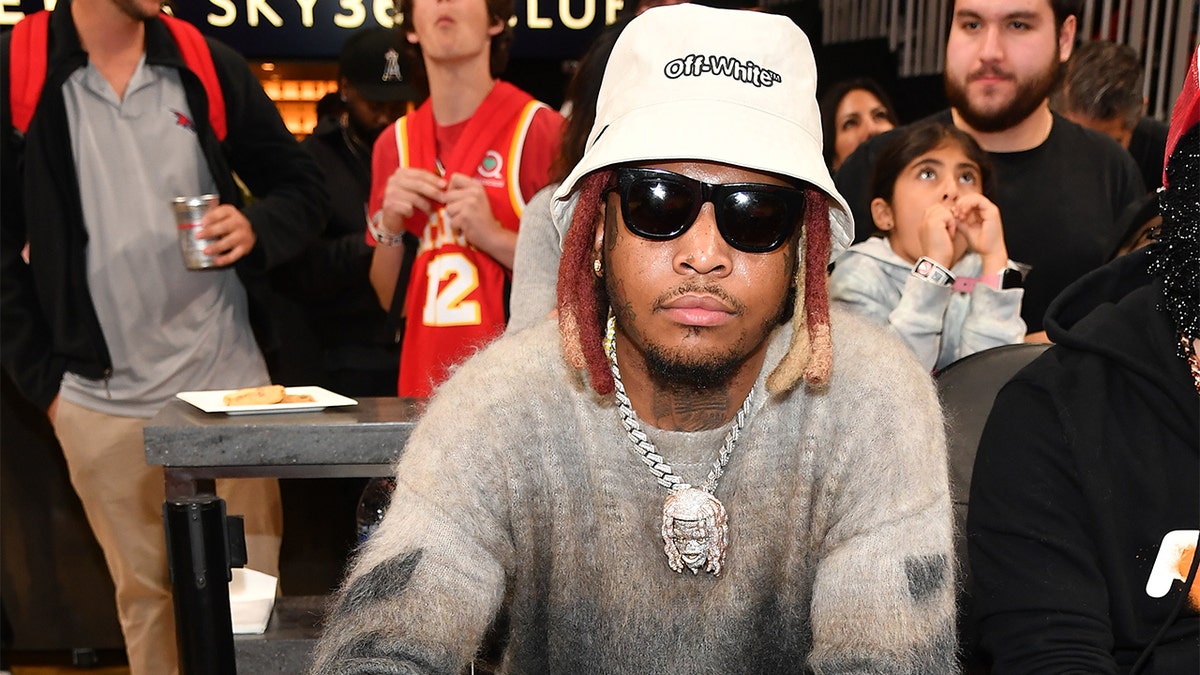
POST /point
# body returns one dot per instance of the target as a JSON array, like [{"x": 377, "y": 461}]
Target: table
[{"x": 194, "y": 448}]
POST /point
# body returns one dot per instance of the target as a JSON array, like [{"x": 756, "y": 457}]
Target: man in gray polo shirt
[{"x": 104, "y": 324}]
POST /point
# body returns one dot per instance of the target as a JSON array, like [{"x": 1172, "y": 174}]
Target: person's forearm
[
  {"x": 995, "y": 261},
  {"x": 500, "y": 243},
  {"x": 385, "y": 268},
  {"x": 993, "y": 319}
]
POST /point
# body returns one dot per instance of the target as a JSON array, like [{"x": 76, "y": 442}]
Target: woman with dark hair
[
  {"x": 851, "y": 112},
  {"x": 938, "y": 272},
  {"x": 580, "y": 103},
  {"x": 539, "y": 244}
]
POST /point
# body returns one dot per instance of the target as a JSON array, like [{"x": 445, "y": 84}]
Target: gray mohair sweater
[{"x": 520, "y": 486}]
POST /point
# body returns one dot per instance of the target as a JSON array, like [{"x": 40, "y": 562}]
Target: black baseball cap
[{"x": 372, "y": 61}]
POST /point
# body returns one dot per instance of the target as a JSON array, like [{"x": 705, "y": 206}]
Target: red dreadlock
[
  {"x": 578, "y": 311},
  {"x": 810, "y": 352},
  {"x": 816, "y": 289}
]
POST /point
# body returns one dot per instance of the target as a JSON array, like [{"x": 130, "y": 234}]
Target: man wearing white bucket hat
[{"x": 681, "y": 475}]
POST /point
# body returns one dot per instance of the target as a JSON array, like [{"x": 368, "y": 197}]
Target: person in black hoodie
[
  {"x": 1085, "y": 500},
  {"x": 339, "y": 336}
]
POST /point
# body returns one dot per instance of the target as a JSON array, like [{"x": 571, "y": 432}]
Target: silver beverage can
[{"x": 189, "y": 211}]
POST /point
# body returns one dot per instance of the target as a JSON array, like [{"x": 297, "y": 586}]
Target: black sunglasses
[{"x": 751, "y": 217}]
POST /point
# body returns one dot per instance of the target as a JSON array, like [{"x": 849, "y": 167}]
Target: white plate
[{"x": 213, "y": 401}]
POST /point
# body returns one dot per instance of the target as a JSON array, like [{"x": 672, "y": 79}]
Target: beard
[
  {"x": 1028, "y": 97},
  {"x": 140, "y": 11},
  {"x": 677, "y": 370},
  {"x": 367, "y": 133},
  {"x": 682, "y": 368}
]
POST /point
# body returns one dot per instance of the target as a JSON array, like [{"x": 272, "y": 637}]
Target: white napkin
[{"x": 251, "y": 599}]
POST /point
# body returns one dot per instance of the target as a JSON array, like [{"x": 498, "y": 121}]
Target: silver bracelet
[{"x": 382, "y": 236}]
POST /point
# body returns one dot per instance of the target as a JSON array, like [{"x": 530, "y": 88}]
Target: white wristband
[{"x": 382, "y": 236}]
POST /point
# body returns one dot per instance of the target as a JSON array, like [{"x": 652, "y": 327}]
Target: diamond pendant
[{"x": 695, "y": 530}]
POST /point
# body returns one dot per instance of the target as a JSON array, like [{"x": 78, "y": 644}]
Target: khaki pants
[{"x": 123, "y": 498}]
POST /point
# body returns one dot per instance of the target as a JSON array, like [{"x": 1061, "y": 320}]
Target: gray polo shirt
[{"x": 168, "y": 329}]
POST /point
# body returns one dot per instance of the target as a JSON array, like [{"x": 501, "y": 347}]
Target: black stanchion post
[{"x": 200, "y": 574}]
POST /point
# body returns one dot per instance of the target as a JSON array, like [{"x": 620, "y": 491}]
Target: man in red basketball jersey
[{"x": 452, "y": 178}]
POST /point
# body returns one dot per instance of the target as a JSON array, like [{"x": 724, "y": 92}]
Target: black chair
[{"x": 967, "y": 389}]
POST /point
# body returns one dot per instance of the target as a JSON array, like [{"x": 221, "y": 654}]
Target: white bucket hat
[{"x": 688, "y": 82}]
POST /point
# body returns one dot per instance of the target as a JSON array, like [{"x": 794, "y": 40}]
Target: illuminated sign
[{"x": 315, "y": 29}]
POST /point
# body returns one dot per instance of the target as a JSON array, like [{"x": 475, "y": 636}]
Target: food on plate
[
  {"x": 298, "y": 398},
  {"x": 264, "y": 395}
]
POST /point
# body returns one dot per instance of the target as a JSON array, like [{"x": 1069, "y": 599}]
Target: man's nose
[
  {"x": 702, "y": 249},
  {"x": 992, "y": 47}
]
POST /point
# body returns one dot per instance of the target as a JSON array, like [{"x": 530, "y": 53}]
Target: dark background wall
[{"x": 54, "y": 587}]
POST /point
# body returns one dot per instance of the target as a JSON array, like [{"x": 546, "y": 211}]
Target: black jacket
[
  {"x": 48, "y": 323},
  {"x": 341, "y": 325},
  {"x": 1090, "y": 456}
]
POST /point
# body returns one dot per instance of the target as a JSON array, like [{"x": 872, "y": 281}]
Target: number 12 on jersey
[{"x": 446, "y": 305}]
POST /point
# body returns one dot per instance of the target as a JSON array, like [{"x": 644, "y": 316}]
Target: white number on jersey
[{"x": 449, "y": 307}]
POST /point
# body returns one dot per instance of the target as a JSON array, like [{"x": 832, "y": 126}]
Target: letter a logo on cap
[{"x": 391, "y": 71}]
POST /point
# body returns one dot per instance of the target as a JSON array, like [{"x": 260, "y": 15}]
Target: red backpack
[{"x": 27, "y": 67}]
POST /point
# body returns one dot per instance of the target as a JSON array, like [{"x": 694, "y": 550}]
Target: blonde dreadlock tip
[
  {"x": 568, "y": 332},
  {"x": 820, "y": 357}
]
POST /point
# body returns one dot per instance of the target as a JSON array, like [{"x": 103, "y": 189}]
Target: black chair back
[{"x": 967, "y": 389}]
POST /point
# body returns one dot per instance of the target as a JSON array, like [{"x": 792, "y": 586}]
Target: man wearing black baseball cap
[
  {"x": 338, "y": 336},
  {"x": 372, "y": 82},
  {"x": 348, "y": 344}
]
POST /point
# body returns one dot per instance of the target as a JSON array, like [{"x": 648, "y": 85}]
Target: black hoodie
[{"x": 1090, "y": 456}]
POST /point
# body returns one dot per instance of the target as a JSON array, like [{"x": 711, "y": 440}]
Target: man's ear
[
  {"x": 881, "y": 213},
  {"x": 1066, "y": 39},
  {"x": 601, "y": 224},
  {"x": 496, "y": 28},
  {"x": 412, "y": 38}
]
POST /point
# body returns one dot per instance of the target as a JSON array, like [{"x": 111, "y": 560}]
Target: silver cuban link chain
[
  {"x": 662, "y": 471},
  {"x": 695, "y": 526}
]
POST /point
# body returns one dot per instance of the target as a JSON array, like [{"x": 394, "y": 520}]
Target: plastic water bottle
[{"x": 371, "y": 505}]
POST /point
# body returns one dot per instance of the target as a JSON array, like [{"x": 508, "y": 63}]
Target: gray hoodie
[{"x": 940, "y": 324}]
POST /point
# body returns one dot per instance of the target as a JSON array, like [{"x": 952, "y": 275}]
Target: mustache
[
  {"x": 989, "y": 71},
  {"x": 701, "y": 289}
]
